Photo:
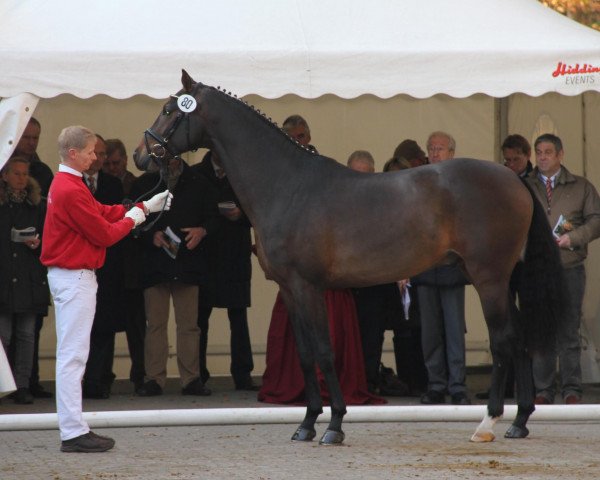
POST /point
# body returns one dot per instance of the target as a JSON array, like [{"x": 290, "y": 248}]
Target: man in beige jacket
[{"x": 573, "y": 208}]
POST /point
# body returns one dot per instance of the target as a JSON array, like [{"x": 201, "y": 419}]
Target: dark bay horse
[{"x": 321, "y": 225}]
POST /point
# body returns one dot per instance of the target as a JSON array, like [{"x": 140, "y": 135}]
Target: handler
[{"x": 77, "y": 231}]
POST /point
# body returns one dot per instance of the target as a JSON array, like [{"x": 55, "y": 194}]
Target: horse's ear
[{"x": 187, "y": 81}]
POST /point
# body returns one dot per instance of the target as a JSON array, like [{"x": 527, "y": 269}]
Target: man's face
[
  {"x": 29, "y": 140},
  {"x": 547, "y": 158},
  {"x": 438, "y": 149},
  {"x": 100, "y": 152},
  {"x": 16, "y": 176},
  {"x": 115, "y": 164},
  {"x": 81, "y": 160},
  {"x": 300, "y": 134},
  {"x": 515, "y": 159}
]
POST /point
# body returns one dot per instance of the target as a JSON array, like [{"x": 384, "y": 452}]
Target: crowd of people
[{"x": 112, "y": 253}]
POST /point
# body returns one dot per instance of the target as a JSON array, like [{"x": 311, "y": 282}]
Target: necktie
[
  {"x": 92, "y": 184},
  {"x": 549, "y": 191}
]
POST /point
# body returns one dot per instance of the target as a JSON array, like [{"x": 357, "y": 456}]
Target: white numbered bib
[{"x": 186, "y": 103}]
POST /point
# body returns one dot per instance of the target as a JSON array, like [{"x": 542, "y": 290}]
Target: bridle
[{"x": 158, "y": 152}]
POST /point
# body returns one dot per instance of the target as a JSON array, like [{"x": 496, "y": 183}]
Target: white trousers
[{"x": 74, "y": 295}]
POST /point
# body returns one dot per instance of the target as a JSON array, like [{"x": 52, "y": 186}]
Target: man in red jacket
[{"x": 77, "y": 231}]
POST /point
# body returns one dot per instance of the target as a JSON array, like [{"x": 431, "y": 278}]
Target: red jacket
[{"x": 78, "y": 228}]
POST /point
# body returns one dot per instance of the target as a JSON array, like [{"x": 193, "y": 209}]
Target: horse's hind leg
[
  {"x": 314, "y": 404},
  {"x": 497, "y": 311},
  {"x": 525, "y": 394}
]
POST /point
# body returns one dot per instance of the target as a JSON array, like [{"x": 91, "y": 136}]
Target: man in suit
[
  {"x": 134, "y": 313},
  {"x": 229, "y": 271},
  {"x": 108, "y": 319},
  {"x": 441, "y": 292}
]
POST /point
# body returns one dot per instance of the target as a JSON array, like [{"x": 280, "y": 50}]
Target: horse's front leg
[
  {"x": 334, "y": 434},
  {"x": 311, "y": 327}
]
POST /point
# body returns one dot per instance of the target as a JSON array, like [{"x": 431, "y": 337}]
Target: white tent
[{"x": 307, "y": 47}]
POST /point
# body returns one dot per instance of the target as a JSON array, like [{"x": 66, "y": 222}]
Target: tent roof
[{"x": 306, "y": 47}]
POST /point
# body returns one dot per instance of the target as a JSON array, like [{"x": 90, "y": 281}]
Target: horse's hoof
[
  {"x": 331, "y": 437},
  {"x": 304, "y": 434},
  {"x": 516, "y": 432},
  {"x": 481, "y": 437}
]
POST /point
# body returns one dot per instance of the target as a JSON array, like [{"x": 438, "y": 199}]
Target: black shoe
[
  {"x": 391, "y": 385},
  {"x": 150, "y": 389},
  {"x": 23, "y": 396},
  {"x": 96, "y": 391},
  {"x": 38, "y": 391},
  {"x": 87, "y": 443},
  {"x": 460, "y": 398},
  {"x": 247, "y": 385},
  {"x": 137, "y": 386},
  {"x": 433, "y": 397},
  {"x": 196, "y": 387}
]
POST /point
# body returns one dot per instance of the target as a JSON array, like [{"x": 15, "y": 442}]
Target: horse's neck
[{"x": 264, "y": 167}]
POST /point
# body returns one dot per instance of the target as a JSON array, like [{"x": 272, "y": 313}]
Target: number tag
[{"x": 186, "y": 103}]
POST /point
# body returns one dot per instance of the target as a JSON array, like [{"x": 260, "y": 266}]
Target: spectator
[
  {"x": 116, "y": 163},
  {"x": 229, "y": 272},
  {"x": 441, "y": 292},
  {"x": 573, "y": 208},
  {"x": 27, "y": 148},
  {"x": 411, "y": 152},
  {"x": 39, "y": 171},
  {"x": 174, "y": 267},
  {"x": 98, "y": 377},
  {"x": 133, "y": 295},
  {"x": 372, "y": 308},
  {"x": 24, "y": 290},
  {"x": 517, "y": 153}
]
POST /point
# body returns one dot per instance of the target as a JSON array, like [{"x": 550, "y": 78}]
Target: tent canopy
[{"x": 307, "y": 47}]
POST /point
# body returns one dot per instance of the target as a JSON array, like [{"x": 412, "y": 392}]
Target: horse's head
[{"x": 173, "y": 130}]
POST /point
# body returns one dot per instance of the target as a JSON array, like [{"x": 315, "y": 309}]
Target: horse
[{"x": 321, "y": 225}]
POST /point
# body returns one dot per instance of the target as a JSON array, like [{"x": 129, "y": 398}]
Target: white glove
[
  {"x": 137, "y": 215},
  {"x": 155, "y": 204}
]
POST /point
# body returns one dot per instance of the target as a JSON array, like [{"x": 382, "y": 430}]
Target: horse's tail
[{"x": 540, "y": 285}]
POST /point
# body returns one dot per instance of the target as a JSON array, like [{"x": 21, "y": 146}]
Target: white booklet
[
  {"x": 562, "y": 226},
  {"x": 23, "y": 235},
  {"x": 173, "y": 242}
]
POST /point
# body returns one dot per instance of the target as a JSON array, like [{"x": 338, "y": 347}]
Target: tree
[{"x": 586, "y": 12}]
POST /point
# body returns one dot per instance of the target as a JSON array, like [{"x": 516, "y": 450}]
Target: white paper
[
  {"x": 174, "y": 241},
  {"x": 406, "y": 301}
]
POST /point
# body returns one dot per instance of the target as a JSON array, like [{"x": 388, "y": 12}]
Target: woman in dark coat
[{"x": 24, "y": 289}]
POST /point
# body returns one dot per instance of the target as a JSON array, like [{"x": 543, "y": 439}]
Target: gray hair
[
  {"x": 293, "y": 121},
  {"x": 361, "y": 156},
  {"x": 451, "y": 141},
  {"x": 76, "y": 137}
]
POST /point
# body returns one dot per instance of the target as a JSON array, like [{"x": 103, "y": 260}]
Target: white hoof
[{"x": 485, "y": 430}]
